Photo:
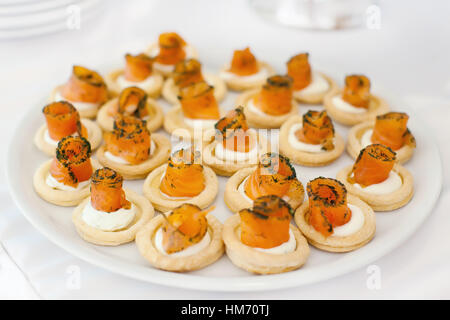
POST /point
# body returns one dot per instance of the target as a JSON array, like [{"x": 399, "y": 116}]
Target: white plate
[
  {"x": 48, "y": 27},
  {"x": 393, "y": 228},
  {"x": 18, "y": 8},
  {"x": 45, "y": 17}
]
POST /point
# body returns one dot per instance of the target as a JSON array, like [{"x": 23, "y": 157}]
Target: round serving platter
[{"x": 393, "y": 228}]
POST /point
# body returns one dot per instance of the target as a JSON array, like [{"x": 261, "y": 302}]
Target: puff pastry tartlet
[
  {"x": 138, "y": 72},
  {"x": 234, "y": 146},
  {"x": 354, "y": 104},
  {"x": 388, "y": 129},
  {"x": 182, "y": 180},
  {"x": 111, "y": 216},
  {"x": 184, "y": 239},
  {"x": 63, "y": 120},
  {"x": 168, "y": 51},
  {"x": 64, "y": 180},
  {"x": 262, "y": 240},
  {"x": 197, "y": 112},
  {"x": 130, "y": 149},
  {"x": 273, "y": 175},
  {"x": 309, "y": 86},
  {"x": 245, "y": 72},
  {"x": 85, "y": 90},
  {"x": 333, "y": 221},
  {"x": 378, "y": 180},
  {"x": 132, "y": 101},
  {"x": 187, "y": 72},
  {"x": 271, "y": 105},
  {"x": 311, "y": 140}
]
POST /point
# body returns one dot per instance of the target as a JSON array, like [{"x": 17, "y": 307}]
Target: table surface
[{"x": 408, "y": 55}]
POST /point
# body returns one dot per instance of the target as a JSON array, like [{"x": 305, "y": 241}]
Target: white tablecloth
[{"x": 408, "y": 56}]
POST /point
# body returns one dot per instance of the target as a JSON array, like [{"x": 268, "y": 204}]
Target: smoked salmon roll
[
  {"x": 391, "y": 130},
  {"x": 85, "y": 85},
  {"x": 234, "y": 145},
  {"x": 72, "y": 163},
  {"x": 333, "y": 220},
  {"x": 107, "y": 194},
  {"x": 274, "y": 175},
  {"x": 266, "y": 225},
  {"x": 354, "y": 103},
  {"x": 63, "y": 120},
  {"x": 132, "y": 102},
  {"x": 373, "y": 165},
  {"x": 137, "y": 67},
  {"x": 299, "y": 69},
  {"x": 261, "y": 239},
  {"x": 310, "y": 140},
  {"x": 244, "y": 63},
  {"x": 168, "y": 51},
  {"x": 184, "y": 227},
  {"x": 275, "y": 97},
  {"x": 64, "y": 180},
  {"x": 309, "y": 85},
  {"x": 357, "y": 91},
  {"x": 182, "y": 180},
  {"x": 231, "y": 130},
  {"x": 186, "y": 238},
  {"x": 130, "y": 139},
  {"x": 378, "y": 179},
  {"x": 171, "y": 48},
  {"x": 317, "y": 128},
  {"x": 111, "y": 216},
  {"x": 138, "y": 71},
  {"x": 198, "y": 102},
  {"x": 184, "y": 175},
  {"x": 245, "y": 71},
  {"x": 327, "y": 205},
  {"x": 187, "y": 72},
  {"x": 271, "y": 105}
]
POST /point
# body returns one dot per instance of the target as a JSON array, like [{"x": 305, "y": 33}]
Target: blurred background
[{"x": 402, "y": 45}]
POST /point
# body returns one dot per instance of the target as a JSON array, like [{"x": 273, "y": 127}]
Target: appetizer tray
[{"x": 393, "y": 228}]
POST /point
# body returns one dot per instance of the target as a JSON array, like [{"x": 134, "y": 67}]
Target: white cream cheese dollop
[
  {"x": 286, "y": 247},
  {"x": 391, "y": 184},
  {"x": 353, "y": 225},
  {"x": 49, "y": 140},
  {"x": 145, "y": 84},
  {"x": 81, "y": 106},
  {"x": 108, "y": 221},
  {"x": 241, "y": 190},
  {"x": 120, "y": 160},
  {"x": 318, "y": 85},
  {"x": 261, "y": 75},
  {"x": 345, "y": 106},
  {"x": 189, "y": 251},
  {"x": 299, "y": 145},
  {"x": 252, "y": 107},
  {"x": 53, "y": 183},
  {"x": 200, "y": 123},
  {"x": 170, "y": 197},
  {"x": 231, "y": 155},
  {"x": 366, "y": 138}
]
